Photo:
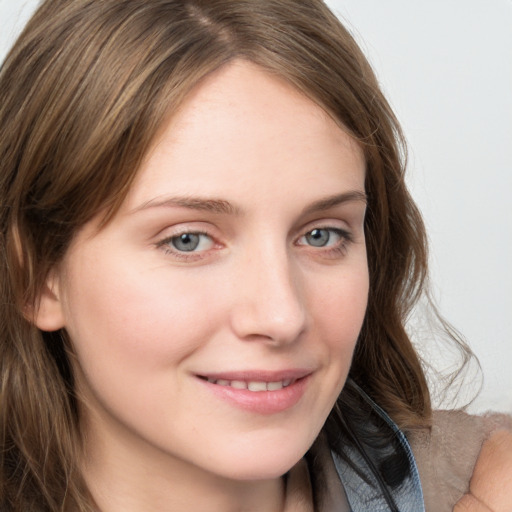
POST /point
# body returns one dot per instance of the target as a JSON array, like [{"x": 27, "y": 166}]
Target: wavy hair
[{"x": 82, "y": 94}]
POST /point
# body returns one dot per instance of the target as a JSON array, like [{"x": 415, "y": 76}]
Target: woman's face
[{"x": 215, "y": 317}]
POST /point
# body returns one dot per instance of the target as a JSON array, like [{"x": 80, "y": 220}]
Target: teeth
[
  {"x": 257, "y": 386},
  {"x": 252, "y": 385}
]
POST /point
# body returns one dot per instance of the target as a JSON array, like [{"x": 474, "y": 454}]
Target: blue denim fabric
[{"x": 364, "y": 497}]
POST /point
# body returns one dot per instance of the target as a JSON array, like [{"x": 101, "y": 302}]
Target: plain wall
[{"x": 446, "y": 67}]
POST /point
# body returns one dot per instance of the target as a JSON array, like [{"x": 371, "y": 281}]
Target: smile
[
  {"x": 259, "y": 392},
  {"x": 255, "y": 386}
]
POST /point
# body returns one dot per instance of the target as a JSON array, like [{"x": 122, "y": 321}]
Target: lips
[{"x": 261, "y": 392}]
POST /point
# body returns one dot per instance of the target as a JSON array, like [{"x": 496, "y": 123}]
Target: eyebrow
[
  {"x": 221, "y": 206},
  {"x": 192, "y": 203},
  {"x": 335, "y": 200}
]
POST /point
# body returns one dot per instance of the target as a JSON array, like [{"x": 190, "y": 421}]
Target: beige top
[{"x": 445, "y": 454}]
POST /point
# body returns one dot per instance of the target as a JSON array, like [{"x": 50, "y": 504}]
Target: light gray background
[{"x": 446, "y": 66}]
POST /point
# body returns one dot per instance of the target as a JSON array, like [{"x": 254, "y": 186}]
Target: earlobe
[{"x": 48, "y": 314}]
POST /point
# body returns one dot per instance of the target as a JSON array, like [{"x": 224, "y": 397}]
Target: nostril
[{"x": 253, "y": 322}]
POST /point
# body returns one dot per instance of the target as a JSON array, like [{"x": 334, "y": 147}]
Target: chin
[{"x": 262, "y": 462}]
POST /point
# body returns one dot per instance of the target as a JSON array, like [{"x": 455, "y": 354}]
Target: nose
[{"x": 269, "y": 300}]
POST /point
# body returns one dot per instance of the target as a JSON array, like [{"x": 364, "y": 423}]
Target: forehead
[{"x": 241, "y": 126}]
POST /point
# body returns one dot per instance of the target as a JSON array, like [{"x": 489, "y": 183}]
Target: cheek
[
  {"x": 340, "y": 308},
  {"x": 133, "y": 317},
  {"x": 337, "y": 308}
]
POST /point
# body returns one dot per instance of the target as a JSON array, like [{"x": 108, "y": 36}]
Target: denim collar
[{"x": 362, "y": 490}]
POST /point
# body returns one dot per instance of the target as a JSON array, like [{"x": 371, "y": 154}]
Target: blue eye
[
  {"x": 190, "y": 242},
  {"x": 323, "y": 237}
]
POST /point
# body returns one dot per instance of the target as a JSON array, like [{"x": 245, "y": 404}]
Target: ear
[{"x": 48, "y": 314}]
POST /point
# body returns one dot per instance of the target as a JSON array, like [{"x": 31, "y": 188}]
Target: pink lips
[{"x": 261, "y": 392}]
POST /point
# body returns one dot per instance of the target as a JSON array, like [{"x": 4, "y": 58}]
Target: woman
[{"x": 209, "y": 253}]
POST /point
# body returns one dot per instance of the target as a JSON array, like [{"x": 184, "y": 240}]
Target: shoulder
[
  {"x": 446, "y": 454},
  {"x": 490, "y": 487}
]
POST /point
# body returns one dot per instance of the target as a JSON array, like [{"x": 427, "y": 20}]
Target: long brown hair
[{"x": 82, "y": 95}]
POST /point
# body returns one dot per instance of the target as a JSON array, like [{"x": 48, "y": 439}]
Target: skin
[
  {"x": 490, "y": 489},
  {"x": 147, "y": 319}
]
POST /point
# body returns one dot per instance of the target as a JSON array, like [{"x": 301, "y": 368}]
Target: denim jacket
[
  {"x": 363, "y": 491},
  {"x": 440, "y": 463}
]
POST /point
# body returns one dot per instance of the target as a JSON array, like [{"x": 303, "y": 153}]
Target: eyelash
[{"x": 338, "y": 250}]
